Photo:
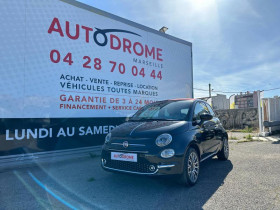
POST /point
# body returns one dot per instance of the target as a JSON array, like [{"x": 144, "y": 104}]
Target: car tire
[
  {"x": 224, "y": 153},
  {"x": 191, "y": 168}
]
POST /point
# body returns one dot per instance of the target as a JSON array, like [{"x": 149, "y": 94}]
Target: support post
[{"x": 261, "y": 130}]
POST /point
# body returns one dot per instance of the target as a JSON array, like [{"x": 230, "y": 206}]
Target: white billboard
[
  {"x": 70, "y": 73},
  {"x": 63, "y": 59}
]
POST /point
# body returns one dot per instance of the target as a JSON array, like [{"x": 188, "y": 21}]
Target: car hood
[{"x": 148, "y": 129}]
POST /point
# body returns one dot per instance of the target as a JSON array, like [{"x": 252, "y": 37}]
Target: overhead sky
[{"x": 236, "y": 43}]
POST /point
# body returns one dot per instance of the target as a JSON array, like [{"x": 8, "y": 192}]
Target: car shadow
[
  {"x": 166, "y": 192},
  {"x": 276, "y": 142}
]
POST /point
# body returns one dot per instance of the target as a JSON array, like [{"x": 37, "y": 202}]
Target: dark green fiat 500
[{"x": 166, "y": 137}]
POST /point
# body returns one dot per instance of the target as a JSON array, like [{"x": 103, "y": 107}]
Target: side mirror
[{"x": 206, "y": 117}]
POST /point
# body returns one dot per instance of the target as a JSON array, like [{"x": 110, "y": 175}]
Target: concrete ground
[{"x": 248, "y": 180}]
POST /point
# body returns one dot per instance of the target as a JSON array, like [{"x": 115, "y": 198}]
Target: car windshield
[{"x": 164, "y": 110}]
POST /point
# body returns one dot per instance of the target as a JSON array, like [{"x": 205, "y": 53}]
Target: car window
[
  {"x": 151, "y": 111},
  {"x": 205, "y": 107},
  {"x": 210, "y": 110},
  {"x": 166, "y": 110},
  {"x": 185, "y": 111},
  {"x": 199, "y": 110}
]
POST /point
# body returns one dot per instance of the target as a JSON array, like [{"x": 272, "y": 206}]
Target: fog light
[
  {"x": 167, "y": 153},
  {"x": 103, "y": 161},
  {"x": 152, "y": 168}
]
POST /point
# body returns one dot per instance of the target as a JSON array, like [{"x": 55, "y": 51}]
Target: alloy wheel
[
  {"x": 226, "y": 148},
  {"x": 193, "y": 167}
]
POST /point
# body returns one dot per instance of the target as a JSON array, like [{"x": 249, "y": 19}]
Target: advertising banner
[{"x": 70, "y": 73}]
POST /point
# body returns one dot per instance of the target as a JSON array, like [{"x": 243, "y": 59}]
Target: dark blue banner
[{"x": 30, "y": 135}]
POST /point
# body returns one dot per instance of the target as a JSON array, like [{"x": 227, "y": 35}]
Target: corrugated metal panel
[{"x": 271, "y": 110}]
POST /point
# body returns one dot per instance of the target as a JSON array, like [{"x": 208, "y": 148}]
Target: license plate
[{"x": 131, "y": 157}]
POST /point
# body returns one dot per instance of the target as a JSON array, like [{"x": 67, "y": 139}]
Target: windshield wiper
[{"x": 138, "y": 120}]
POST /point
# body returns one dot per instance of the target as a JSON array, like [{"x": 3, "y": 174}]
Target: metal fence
[{"x": 271, "y": 113}]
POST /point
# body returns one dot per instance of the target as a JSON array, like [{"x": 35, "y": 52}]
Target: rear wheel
[
  {"x": 224, "y": 153},
  {"x": 191, "y": 168}
]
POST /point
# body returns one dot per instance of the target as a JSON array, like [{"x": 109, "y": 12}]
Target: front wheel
[
  {"x": 191, "y": 168},
  {"x": 224, "y": 153}
]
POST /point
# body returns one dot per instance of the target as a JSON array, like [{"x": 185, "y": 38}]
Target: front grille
[{"x": 141, "y": 166}]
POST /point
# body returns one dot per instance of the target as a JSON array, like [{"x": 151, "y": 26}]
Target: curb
[{"x": 32, "y": 159}]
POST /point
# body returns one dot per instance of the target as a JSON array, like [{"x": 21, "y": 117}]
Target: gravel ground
[
  {"x": 248, "y": 180},
  {"x": 240, "y": 135}
]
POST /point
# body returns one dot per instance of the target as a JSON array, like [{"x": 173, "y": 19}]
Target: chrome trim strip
[
  {"x": 208, "y": 156},
  {"x": 141, "y": 145},
  {"x": 165, "y": 166},
  {"x": 136, "y": 128},
  {"x": 118, "y": 150},
  {"x": 131, "y": 172}
]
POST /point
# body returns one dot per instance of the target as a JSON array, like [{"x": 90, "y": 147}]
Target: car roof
[
  {"x": 182, "y": 99},
  {"x": 187, "y": 99}
]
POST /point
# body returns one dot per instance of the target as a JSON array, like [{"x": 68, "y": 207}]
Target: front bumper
[{"x": 147, "y": 164}]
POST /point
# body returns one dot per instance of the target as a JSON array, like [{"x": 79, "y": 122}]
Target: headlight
[
  {"x": 163, "y": 140},
  {"x": 108, "y": 138},
  {"x": 167, "y": 153}
]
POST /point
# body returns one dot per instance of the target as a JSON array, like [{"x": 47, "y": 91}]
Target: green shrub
[
  {"x": 247, "y": 130},
  {"x": 249, "y": 137}
]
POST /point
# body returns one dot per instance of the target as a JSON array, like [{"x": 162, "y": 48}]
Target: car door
[
  {"x": 218, "y": 127},
  {"x": 211, "y": 126},
  {"x": 205, "y": 130}
]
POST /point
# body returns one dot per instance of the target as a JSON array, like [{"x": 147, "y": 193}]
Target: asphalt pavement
[{"x": 248, "y": 180}]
